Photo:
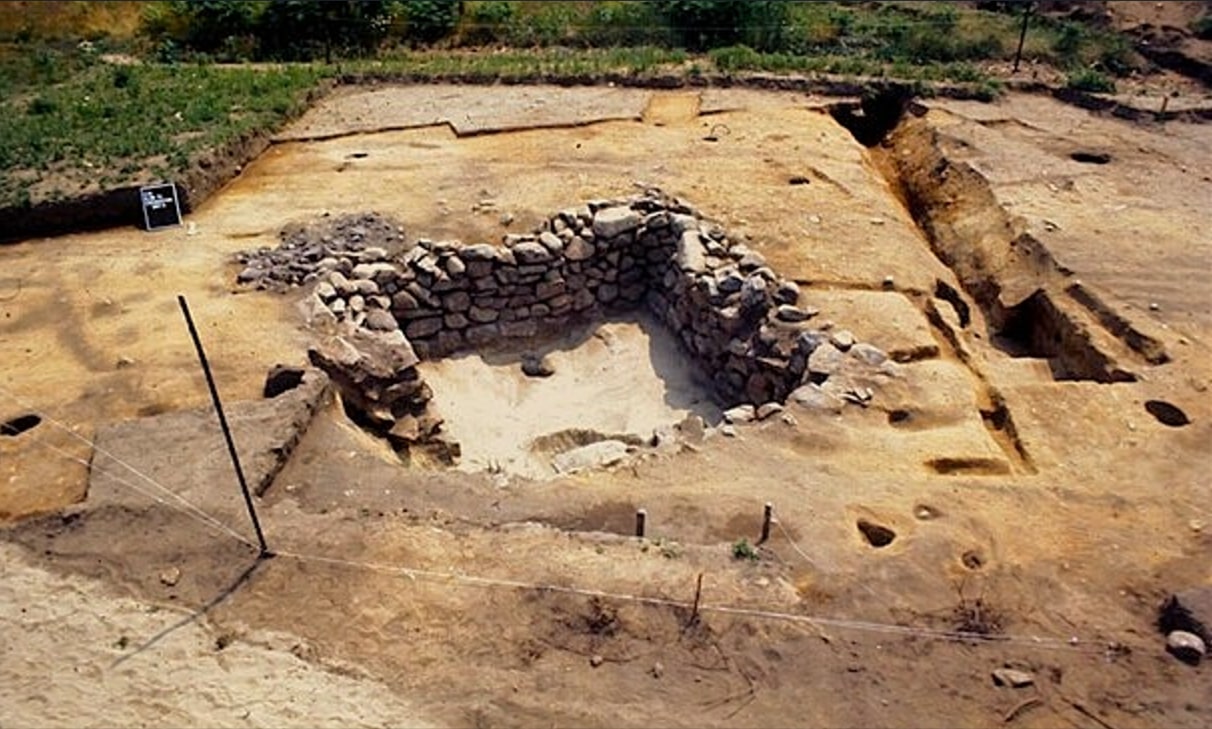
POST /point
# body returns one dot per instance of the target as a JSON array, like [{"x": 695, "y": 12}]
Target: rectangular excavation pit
[{"x": 619, "y": 379}]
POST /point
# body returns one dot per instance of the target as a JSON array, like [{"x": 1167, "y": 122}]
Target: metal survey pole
[{"x": 231, "y": 444}]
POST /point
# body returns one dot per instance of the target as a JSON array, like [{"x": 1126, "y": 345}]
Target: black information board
[{"x": 160, "y": 206}]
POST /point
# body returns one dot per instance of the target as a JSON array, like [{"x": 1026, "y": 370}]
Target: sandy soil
[
  {"x": 1065, "y": 533},
  {"x": 621, "y": 378},
  {"x": 77, "y": 655}
]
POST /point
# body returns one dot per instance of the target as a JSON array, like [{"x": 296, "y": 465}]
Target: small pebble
[
  {"x": 596, "y": 660},
  {"x": 170, "y": 576}
]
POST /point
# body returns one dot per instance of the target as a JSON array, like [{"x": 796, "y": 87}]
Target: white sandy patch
[
  {"x": 626, "y": 377},
  {"x": 61, "y": 638}
]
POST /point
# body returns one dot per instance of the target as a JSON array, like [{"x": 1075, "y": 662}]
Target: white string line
[
  {"x": 868, "y": 626},
  {"x": 490, "y": 582},
  {"x": 187, "y": 507},
  {"x": 778, "y": 522},
  {"x": 196, "y": 514}
]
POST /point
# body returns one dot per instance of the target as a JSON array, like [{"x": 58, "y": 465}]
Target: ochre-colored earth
[{"x": 1055, "y": 514}]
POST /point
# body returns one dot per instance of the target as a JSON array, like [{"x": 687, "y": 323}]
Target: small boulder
[
  {"x": 609, "y": 222},
  {"x": 534, "y": 365},
  {"x": 1012, "y": 678},
  {"x": 1186, "y": 647},
  {"x": 740, "y": 414},
  {"x": 769, "y": 409}
]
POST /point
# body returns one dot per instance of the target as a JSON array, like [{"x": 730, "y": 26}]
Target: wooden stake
[
  {"x": 641, "y": 519},
  {"x": 767, "y": 518},
  {"x": 1022, "y": 37},
  {"x": 698, "y": 594}
]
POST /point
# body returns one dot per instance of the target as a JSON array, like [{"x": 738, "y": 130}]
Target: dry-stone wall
[{"x": 733, "y": 314}]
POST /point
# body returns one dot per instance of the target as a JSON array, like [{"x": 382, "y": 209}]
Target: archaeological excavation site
[{"x": 614, "y": 406}]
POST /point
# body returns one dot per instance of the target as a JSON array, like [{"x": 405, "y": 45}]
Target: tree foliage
[{"x": 704, "y": 24}]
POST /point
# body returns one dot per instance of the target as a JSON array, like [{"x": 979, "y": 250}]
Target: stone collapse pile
[{"x": 737, "y": 318}]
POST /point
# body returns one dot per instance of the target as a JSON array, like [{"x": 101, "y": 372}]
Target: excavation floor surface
[{"x": 427, "y": 595}]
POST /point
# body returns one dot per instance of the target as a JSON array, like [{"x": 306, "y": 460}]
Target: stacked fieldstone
[{"x": 734, "y": 315}]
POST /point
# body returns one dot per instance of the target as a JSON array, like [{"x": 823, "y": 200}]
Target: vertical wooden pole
[
  {"x": 641, "y": 520},
  {"x": 1022, "y": 36},
  {"x": 767, "y": 517},
  {"x": 698, "y": 594}
]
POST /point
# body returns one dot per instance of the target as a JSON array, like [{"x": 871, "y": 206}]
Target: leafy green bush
[
  {"x": 705, "y": 24},
  {"x": 210, "y": 23},
  {"x": 742, "y": 549},
  {"x": 1202, "y": 27},
  {"x": 431, "y": 20},
  {"x": 1089, "y": 79},
  {"x": 487, "y": 22},
  {"x": 735, "y": 58},
  {"x": 306, "y": 29},
  {"x": 624, "y": 24}
]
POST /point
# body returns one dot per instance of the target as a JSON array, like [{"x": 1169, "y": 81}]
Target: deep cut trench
[{"x": 1028, "y": 303}]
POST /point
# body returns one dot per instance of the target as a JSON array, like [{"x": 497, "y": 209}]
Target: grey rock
[
  {"x": 483, "y": 335},
  {"x": 611, "y": 222},
  {"x": 769, "y": 409},
  {"x": 340, "y": 283},
  {"x": 740, "y": 414},
  {"x": 365, "y": 287},
  {"x": 868, "y": 354},
  {"x": 843, "y": 340},
  {"x": 595, "y": 455},
  {"x": 812, "y": 397},
  {"x": 370, "y": 270},
  {"x": 551, "y": 242},
  {"x": 520, "y": 329},
  {"x": 456, "y": 301},
  {"x": 537, "y": 366},
  {"x": 421, "y": 328},
  {"x": 380, "y": 321},
  {"x": 608, "y": 293},
  {"x": 531, "y": 252},
  {"x": 1012, "y": 678},
  {"x": 482, "y": 315},
  {"x": 826, "y": 360},
  {"x": 691, "y": 256},
  {"x": 403, "y": 301},
  {"x": 751, "y": 260},
  {"x": 455, "y": 321},
  {"x": 730, "y": 281},
  {"x": 326, "y": 291},
  {"x": 579, "y": 249},
  {"x": 788, "y": 292},
  {"x": 455, "y": 266},
  {"x": 478, "y": 252},
  {"x": 792, "y": 314},
  {"x": 1186, "y": 647}
]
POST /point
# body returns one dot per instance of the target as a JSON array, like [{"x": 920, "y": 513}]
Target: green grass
[
  {"x": 114, "y": 125},
  {"x": 70, "y": 124},
  {"x": 519, "y": 63}
]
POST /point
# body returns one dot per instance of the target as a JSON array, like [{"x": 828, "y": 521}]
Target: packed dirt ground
[{"x": 1035, "y": 270}]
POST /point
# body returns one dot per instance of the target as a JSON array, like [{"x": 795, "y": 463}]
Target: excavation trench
[
  {"x": 1032, "y": 306},
  {"x": 641, "y": 313}
]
